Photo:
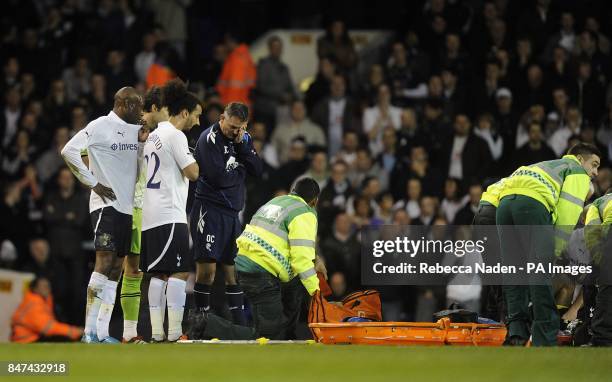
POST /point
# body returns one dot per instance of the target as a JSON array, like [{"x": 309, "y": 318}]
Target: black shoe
[
  {"x": 197, "y": 319},
  {"x": 515, "y": 341}
]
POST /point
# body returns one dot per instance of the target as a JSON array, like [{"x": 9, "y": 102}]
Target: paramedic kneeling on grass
[
  {"x": 276, "y": 256},
  {"x": 546, "y": 193}
]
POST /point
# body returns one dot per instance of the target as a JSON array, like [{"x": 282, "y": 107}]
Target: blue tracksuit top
[{"x": 223, "y": 169}]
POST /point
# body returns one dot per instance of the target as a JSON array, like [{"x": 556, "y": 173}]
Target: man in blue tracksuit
[{"x": 225, "y": 155}]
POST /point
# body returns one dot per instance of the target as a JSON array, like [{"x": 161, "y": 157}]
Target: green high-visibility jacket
[
  {"x": 600, "y": 211},
  {"x": 598, "y": 222},
  {"x": 491, "y": 194},
  {"x": 561, "y": 185},
  {"x": 281, "y": 239}
]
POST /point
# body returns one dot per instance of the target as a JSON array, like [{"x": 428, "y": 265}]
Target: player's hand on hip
[
  {"x": 104, "y": 192},
  {"x": 143, "y": 134}
]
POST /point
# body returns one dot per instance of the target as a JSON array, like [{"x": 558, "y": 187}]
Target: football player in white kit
[
  {"x": 165, "y": 236},
  {"x": 153, "y": 112},
  {"x": 111, "y": 143}
]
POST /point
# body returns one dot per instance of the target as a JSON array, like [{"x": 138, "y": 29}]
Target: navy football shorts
[{"x": 214, "y": 233}]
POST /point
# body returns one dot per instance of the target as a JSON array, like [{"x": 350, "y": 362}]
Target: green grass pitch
[{"x": 313, "y": 363}]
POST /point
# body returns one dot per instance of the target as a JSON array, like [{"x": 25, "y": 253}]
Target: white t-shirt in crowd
[
  {"x": 455, "y": 169},
  {"x": 166, "y": 154},
  {"x": 336, "y": 116}
]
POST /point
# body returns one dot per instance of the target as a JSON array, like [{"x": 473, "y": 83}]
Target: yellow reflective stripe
[
  {"x": 261, "y": 222},
  {"x": 257, "y": 222},
  {"x": 290, "y": 208},
  {"x": 301, "y": 243},
  {"x": 571, "y": 198},
  {"x": 308, "y": 273},
  {"x": 269, "y": 249},
  {"x": 554, "y": 173}
]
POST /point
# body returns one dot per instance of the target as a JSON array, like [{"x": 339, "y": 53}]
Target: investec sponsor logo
[{"x": 124, "y": 146}]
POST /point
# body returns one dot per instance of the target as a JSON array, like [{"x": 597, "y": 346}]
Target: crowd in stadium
[{"x": 454, "y": 101}]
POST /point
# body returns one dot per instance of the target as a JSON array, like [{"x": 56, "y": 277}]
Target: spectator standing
[
  {"x": 299, "y": 126},
  {"x": 50, "y": 161},
  {"x": 571, "y": 126},
  {"x": 274, "y": 86},
  {"x": 341, "y": 251},
  {"x": 238, "y": 74},
  {"x": 470, "y": 157},
  {"x": 382, "y": 115},
  {"x": 77, "y": 79},
  {"x": 146, "y": 57},
  {"x": 336, "y": 43},
  {"x": 10, "y": 118},
  {"x": 172, "y": 15},
  {"x": 535, "y": 150},
  {"x": 65, "y": 212},
  {"x": 335, "y": 114},
  {"x": 334, "y": 196},
  {"x": 319, "y": 88}
]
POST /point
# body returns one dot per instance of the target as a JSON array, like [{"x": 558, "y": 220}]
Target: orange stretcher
[{"x": 442, "y": 332}]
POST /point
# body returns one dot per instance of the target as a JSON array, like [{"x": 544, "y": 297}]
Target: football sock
[
  {"x": 94, "y": 299},
  {"x": 130, "y": 304},
  {"x": 201, "y": 293},
  {"x": 176, "y": 305},
  {"x": 157, "y": 289},
  {"x": 106, "y": 308},
  {"x": 235, "y": 301}
]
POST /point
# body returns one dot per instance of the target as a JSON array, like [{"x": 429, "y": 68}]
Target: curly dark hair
[
  {"x": 177, "y": 98},
  {"x": 153, "y": 96}
]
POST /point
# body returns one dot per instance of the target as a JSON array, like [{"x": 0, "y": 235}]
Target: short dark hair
[
  {"x": 153, "y": 96},
  {"x": 177, "y": 98},
  {"x": 584, "y": 149},
  {"x": 238, "y": 110},
  {"x": 307, "y": 189}
]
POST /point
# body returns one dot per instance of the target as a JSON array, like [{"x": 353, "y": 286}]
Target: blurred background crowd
[{"x": 461, "y": 94}]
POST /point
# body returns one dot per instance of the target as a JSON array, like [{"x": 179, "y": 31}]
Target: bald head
[{"x": 128, "y": 104}]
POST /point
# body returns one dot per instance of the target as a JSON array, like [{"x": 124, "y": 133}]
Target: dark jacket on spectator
[
  {"x": 343, "y": 256},
  {"x": 64, "y": 218},
  {"x": 526, "y": 155},
  {"x": 475, "y": 159}
]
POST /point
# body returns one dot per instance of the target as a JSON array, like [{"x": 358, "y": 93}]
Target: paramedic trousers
[
  {"x": 275, "y": 307},
  {"x": 493, "y": 306},
  {"x": 519, "y": 210}
]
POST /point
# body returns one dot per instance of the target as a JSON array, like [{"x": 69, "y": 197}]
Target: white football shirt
[
  {"x": 112, "y": 147},
  {"x": 166, "y": 154}
]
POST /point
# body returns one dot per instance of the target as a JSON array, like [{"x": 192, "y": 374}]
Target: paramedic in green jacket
[
  {"x": 276, "y": 259},
  {"x": 276, "y": 266},
  {"x": 550, "y": 193}
]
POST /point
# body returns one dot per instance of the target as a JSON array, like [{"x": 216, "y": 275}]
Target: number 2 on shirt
[{"x": 150, "y": 183}]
